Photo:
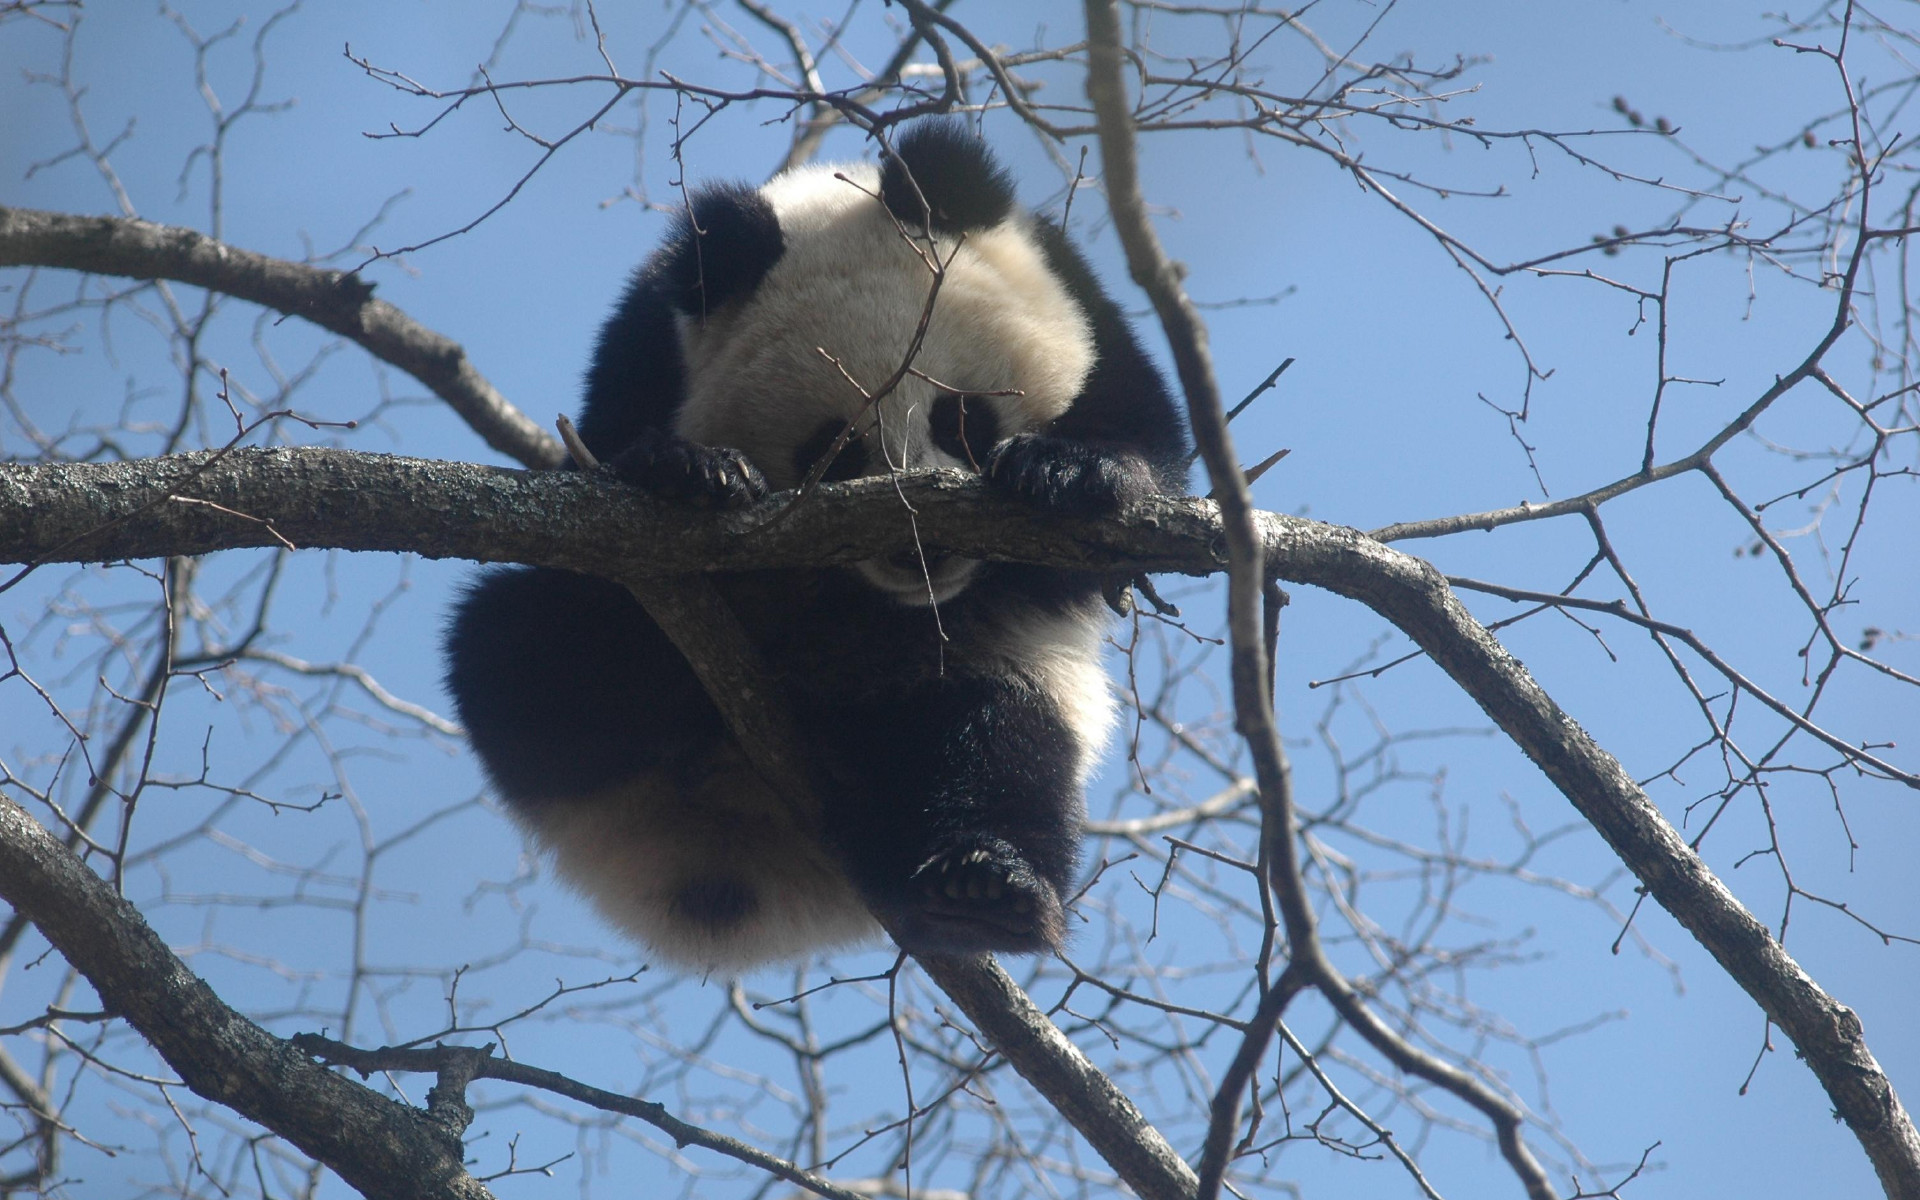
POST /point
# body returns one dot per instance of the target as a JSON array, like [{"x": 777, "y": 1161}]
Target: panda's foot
[
  {"x": 981, "y": 897},
  {"x": 676, "y": 469},
  {"x": 1070, "y": 476}
]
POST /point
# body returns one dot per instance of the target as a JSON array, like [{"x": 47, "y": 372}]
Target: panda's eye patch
[
  {"x": 851, "y": 463},
  {"x": 964, "y": 427}
]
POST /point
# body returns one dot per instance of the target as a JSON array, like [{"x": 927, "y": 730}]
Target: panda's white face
[{"x": 780, "y": 372}]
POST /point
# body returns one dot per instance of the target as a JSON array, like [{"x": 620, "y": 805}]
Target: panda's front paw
[
  {"x": 674, "y": 468},
  {"x": 1070, "y": 476},
  {"x": 984, "y": 896}
]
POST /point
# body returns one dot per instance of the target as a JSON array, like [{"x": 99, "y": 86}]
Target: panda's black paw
[
  {"x": 673, "y": 468},
  {"x": 979, "y": 897},
  {"x": 1069, "y": 476}
]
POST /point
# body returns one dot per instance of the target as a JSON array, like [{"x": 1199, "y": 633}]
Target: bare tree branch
[
  {"x": 1309, "y": 964},
  {"x": 369, "y": 502},
  {"x": 385, "y": 1149},
  {"x": 339, "y": 301},
  {"x": 467, "y": 1063}
]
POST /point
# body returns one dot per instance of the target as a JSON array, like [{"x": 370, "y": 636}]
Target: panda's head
[{"x": 798, "y": 301}]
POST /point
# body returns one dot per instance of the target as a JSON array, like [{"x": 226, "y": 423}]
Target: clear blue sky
[{"x": 1394, "y": 349}]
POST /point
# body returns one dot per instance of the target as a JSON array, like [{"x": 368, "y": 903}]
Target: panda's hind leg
[{"x": 957, "y": 813}]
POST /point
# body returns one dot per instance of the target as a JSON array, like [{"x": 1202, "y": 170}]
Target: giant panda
[{"x": 957, "y": 706}]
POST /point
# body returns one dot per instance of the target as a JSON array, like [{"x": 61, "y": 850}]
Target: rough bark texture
[{"x": 86, "y": 512}]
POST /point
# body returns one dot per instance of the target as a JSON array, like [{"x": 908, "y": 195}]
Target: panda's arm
[
  {"x": 637, "y": 382},
  {"x": 1122, "y": 437},
  {"x": 634, "y": 388}
]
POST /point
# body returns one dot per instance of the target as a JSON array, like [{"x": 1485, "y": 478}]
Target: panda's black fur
[{"x": 956, "y": 706}]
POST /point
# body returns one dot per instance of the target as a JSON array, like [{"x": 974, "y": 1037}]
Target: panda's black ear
[
  {"x": 725, "y": 249},
  {"x": 956, "y": 174}
]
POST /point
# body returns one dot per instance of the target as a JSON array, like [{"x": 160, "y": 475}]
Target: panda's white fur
[
  {"x": 633, "y": 849},
  {"x": 837, "y": 315}
]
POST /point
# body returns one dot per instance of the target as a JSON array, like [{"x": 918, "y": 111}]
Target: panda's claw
[
  {"x": 673, "y": 468},
  {"x": 985, "y": 897},
  {"x": 1070, "y": 476}
]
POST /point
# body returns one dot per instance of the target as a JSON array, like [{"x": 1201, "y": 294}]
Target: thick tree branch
[
  {"x": 385, "y": 1149},
  {"x": 334, "y": 300},
  {"x": 345, "y": 500},
  {"x": 90, "y": 512}
]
